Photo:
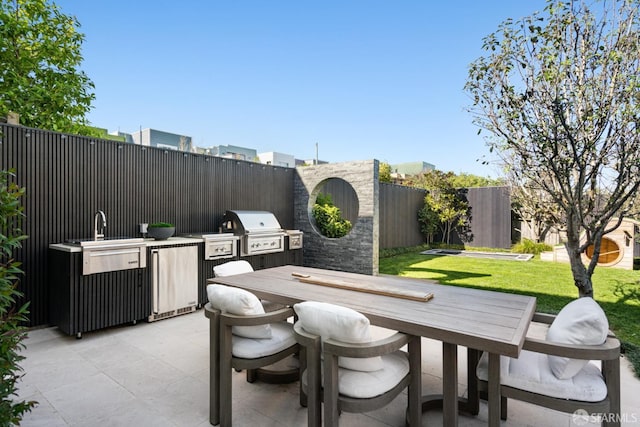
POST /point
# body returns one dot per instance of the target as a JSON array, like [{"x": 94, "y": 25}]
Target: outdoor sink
[{"x": 107, "y": 241}]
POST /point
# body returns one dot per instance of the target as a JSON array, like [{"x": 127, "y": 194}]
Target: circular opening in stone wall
[{"x": 333, "y": 208}]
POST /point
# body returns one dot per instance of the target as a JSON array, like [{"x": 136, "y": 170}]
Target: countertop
[{"x": 150, "y": 242}]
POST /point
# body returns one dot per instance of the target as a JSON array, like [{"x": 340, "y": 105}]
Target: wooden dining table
[{"x": 493, "y": 322}]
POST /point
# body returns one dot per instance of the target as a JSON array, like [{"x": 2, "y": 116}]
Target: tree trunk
[
  {"x": 543, "y": 234},
  {"x": 581, "y": 277}
]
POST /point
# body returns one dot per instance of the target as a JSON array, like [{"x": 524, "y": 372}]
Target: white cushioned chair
[
  {"x": 247, "y": 338},
  {"x": 231, "y": 268},
  {"x": 576, "y": 366},
  {"x": 357, "y": 374}
]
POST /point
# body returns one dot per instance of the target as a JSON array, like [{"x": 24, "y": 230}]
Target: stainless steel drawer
[
  {"x": 219, "y": 249},
  {"x": 113, "y": 258}
]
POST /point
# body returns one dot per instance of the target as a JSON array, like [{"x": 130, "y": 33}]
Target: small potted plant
[{"x": 161, "y": 230}]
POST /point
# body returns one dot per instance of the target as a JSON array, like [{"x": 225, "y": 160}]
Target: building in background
[
  {"x": 401, "y": 172},
  {"x": 277, "y": 159},
  {"x": 233, "y": 152},
  {"x": 102, "y": 133},
  {"x": 161, "y": 139},
  {"x": 122, "y": 136},
  {"x": 412, "y": 168}
]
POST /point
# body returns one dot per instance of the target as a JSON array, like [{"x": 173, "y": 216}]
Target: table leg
[
  {"x": 450, "y": 384},
  {"x": 469, "y": 405},
  {"x": 415, "y": 386},
  {"x": 494, "y": 390},
  {"x": 214, "y": 368},
  {"x": 225, "y": 380},
  {"x": 472, "y": 403}
]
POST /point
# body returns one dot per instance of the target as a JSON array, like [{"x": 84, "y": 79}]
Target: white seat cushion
[
  {"x": 282, "y": 337},
  {"x": 341, "y": 324},
  {"x": 237, "y": 301},
  {"x": 362, "y": 384},
  {"x": 531, "y": 372},
  {"x": 582, "y": 321},
  {"x": 232, "y": 268}
]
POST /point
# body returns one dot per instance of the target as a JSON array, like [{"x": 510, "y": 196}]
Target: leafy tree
[
  {"x": 429, "y": 222},
  {"x": 40, "y": 58},
  {"x": 559, "y": 93},
  {"x": 449, "y": 203},
  {"x": 12, "y": 332},
  {"x": 384, "y": 172},
  {"x": 468, "y": 180}
]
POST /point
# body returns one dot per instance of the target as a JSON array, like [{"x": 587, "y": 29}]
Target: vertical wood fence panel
[
  {"x": 399, "y": 206},
  {"x": 490, "y": 217}
]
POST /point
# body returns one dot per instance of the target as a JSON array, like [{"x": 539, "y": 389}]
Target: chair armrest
[
  {"x": 609, "y": 350},
  {"x": 256, "y": 319},
  {"x": 374, "y": 348},
  {"x": 304, "y": 335},
  {"x": 209, "y": 311},
  {"x": 543, "y": 318}
]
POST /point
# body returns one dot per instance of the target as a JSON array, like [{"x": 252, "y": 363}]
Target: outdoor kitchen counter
[
  {"x": 72, "y": 247},
  {"x": 123, "y": 290}
]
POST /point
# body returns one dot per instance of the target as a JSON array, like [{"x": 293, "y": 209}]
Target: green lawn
[{"x": 616, "y": 290}]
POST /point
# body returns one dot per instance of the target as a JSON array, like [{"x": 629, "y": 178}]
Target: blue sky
[{"x": 362, "y": 79}]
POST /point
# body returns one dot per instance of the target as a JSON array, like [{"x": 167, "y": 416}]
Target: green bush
[
  {"x": 527, "y": 246},
  {"x": 329, "y": 218},
  {"x": 12, "y": 319}
]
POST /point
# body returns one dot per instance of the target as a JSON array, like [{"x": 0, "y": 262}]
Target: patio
[{"x": 156, "y": 374}]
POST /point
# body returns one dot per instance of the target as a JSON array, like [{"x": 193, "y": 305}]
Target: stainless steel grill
[{"x": 259, "y": 231}]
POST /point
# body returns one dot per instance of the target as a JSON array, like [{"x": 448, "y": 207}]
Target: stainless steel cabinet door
[{"x": 175, "y": 278}]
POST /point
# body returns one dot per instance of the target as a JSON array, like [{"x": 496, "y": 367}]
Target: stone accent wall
[{"x": 357, "y": 252}]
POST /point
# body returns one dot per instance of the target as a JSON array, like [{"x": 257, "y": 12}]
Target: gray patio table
[{"x": 481, "y": 320}]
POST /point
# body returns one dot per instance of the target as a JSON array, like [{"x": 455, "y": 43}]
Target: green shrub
[
  {"x": 12, "y": 319},
  {"x": 527, "y": 246},
  {"x": 329, "y": 218}
]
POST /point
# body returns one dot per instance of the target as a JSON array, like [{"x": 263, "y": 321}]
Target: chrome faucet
[{"x": 101, "y": 221}]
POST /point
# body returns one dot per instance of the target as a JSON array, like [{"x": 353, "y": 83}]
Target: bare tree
[
  {"x": 559, "y": 93},
  {"x": 533, "y": 206}
]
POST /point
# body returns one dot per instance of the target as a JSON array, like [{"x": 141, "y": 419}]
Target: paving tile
[
  {"x": 49, "y": 368},
  {"x": 81, "y": 402},
  {"x": 43, "y": 414},
  {"x": 133, "y": 413},
  {"x": 110, "y": 351},
  {"x": 143, "y": 376}
]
